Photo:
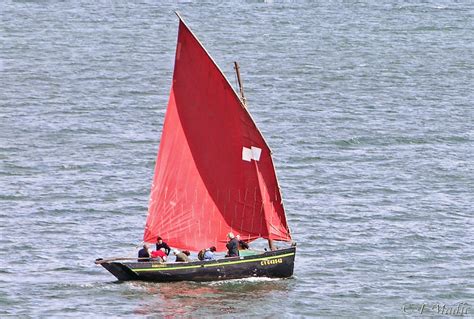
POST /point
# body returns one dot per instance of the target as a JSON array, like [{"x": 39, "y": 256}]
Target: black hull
[{"x": 272, "y": 264}]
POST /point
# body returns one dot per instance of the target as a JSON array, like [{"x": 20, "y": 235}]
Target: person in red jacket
[{"x": 159, "y": 254}]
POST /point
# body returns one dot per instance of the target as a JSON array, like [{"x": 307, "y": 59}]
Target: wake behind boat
[{"x": 214, "y": 174}]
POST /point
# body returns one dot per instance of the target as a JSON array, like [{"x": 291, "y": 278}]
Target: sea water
[{"x": 368, "y": 108}]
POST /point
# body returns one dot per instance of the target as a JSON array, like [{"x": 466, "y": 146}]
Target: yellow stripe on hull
[{"x": 214, "y": 264}]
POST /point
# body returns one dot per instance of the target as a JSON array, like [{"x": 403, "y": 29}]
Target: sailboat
[{"x": 214, "y": 175}]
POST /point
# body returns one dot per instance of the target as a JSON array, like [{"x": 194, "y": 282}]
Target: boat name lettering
[
  {"x": 271, "y": 262},
  {"x": 157, "y": 265}
]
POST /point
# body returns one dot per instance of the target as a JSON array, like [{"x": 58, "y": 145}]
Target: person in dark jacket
[
  {"x": 144, "y": 253},
  {"x": 232, "y": 246},
  {"x": 242, "y": 244},
  {"x": 161, "y": 244}
]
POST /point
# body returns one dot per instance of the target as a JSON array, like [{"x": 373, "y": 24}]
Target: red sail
[{"x": 214, "y": 172}]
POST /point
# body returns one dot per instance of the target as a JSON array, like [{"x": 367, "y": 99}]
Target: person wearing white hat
[{"x": 232, "y": 246}]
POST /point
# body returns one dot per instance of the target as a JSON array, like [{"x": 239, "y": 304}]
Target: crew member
[
  {"x": 209, "y": 254},
  {"x": 161, "y": 244},
  {"x": 242, "y": 244},
  {"x": 232, "y": 246},
  {"x": 182, "y": 256},
  {"x": 144, "y": 253},
  {"x": 159, "y": 255}
]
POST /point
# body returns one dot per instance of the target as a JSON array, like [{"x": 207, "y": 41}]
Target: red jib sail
[{"x": 214, "y": 172}]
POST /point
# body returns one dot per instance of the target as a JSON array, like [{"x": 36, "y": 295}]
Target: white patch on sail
[
  {"x": 256, "y": 152},
  {"x": 246, "y": 154},
  {"x": 252, "y": 153}
]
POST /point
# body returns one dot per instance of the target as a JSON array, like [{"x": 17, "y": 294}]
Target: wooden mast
[
  {"x": 241, "y": 87},
  {"x": 244, "y": 102}
]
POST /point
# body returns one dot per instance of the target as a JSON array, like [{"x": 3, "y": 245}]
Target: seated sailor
[
  {"x": 182, "y": 256},
  {"x": 161, "y": 244},
  {"x": 242, "y": 244},
  {"x": 232, "y": 246},
  {"x": 209, "y": 254},
  {"x": 144, "y": 253},
  {"x": 159, "y": 254},
  {"x": 244, "y": 248}
]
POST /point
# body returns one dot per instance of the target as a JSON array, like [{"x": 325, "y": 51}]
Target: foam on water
[{"x": 244, "y": 280}]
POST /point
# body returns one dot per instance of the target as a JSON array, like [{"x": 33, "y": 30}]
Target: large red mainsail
[{"x": 214, "y": 172}]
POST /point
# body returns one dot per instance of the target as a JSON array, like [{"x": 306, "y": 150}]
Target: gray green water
[{"x": 368, "y": 108}]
